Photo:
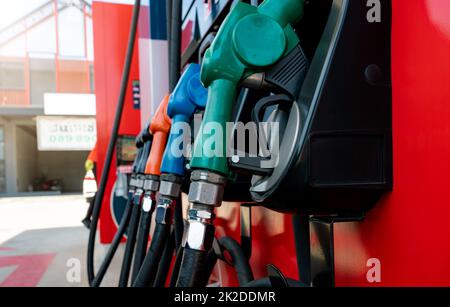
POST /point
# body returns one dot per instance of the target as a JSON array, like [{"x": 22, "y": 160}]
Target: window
[
  {"x": 42, "y": 79},
  {"x": 12, "y": 76}
]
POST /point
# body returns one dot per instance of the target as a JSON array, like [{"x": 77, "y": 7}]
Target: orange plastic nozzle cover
[{"x": 160, "y": 128}]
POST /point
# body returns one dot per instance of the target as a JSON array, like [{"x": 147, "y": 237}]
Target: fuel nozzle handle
[
  {"x": 137, "y": 160},
  {"x": 143, "y": 136},
  {"x": 147, "y": 267},
  {"x": 188, "y": 97},
  {"x": 159, "y": 128},
  {"x": 143, "y": 144},
  {"x": 251, "y": 40},
  {"x": 144, "y": 157}
]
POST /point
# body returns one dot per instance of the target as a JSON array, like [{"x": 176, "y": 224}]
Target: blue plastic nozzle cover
[{"x": 188, "y": 97}]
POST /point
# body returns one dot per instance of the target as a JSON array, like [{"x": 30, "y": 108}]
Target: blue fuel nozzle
[{"x": 188, "y": 97}]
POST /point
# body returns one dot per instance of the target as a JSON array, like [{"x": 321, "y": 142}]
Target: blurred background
[
  {"x": 47, "y": 130},
  {"x": 47, "y": 102}
]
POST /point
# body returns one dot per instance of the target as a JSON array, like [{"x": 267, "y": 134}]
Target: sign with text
[{"x": 66, "y": 133}]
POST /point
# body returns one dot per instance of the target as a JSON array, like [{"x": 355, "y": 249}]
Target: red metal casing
[
  {"x": 408, "y": 230},
  {"x": 111, "y": 23}
]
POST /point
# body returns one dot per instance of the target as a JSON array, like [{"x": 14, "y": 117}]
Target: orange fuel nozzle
[{"x": 160, "y": 128}]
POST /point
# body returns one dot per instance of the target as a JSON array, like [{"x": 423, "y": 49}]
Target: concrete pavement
[{"x": 42, "y": 242}]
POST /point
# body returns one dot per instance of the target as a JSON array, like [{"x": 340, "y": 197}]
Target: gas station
[{"x": 267, "y": 144}]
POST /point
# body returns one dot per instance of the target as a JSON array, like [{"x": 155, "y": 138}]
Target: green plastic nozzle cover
[{"x": 250, "y": 40}]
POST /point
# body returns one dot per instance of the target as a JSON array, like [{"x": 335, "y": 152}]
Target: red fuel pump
[
  {"x": 365, "y": 175},
  {"x": 380, "y": 249},
  {"x": 109, "y": 51}
]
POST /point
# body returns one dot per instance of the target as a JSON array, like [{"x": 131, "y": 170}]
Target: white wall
[{"x": 42, "y": 80}]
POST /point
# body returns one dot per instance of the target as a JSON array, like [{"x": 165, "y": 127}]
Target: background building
[{"x": 47, "y": 106}]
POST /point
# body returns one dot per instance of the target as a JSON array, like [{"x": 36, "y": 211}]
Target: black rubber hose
[
  {"x": 140, "y": 168},
  {"x": 266, "y": 283},
  {"x": 129, "y": 247},
  {"x": 149, "y": 267},
  {"x": 240, "y": 261},
  {"x": 137, "y": 160},
  {"x": 166, "y": 260},
  {"x": 300, "y": 224},
  {"x": 192, "y": 269},
  {"x": 87, "y": 219},
  {"x": 176, "y": 267},
  {"x": 112, "y": 142},
  {"x": 175, "y": 44},
  {"x": 175, "y": 32},
  {"x": 260, "y": 283},
  {"x": 211, "y": 261},
  {"x": 178, "y": 222},
  {"x": 169, "y": 26},
  {"x": 142, "y": 241},
  {"x": 143, "y": 226},
  {"x": 120, "y": 231},
  {"x": 114, "y": 244}
]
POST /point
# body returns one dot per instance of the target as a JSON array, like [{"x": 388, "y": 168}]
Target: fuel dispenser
[
  {"x": 334, "y": 110},
  {"x": 136, "y": 195},
  {"x": 318, "y": 74},
  {"x": 188, "y": 97},
  {"x": 144, "y": 184},
  {"x": 160, "y": 128},
  {"x": 336, "y": 150},
  {"x": 250, "y": 39},
  {"x": 130, "y": 212},
  {"x": 112, "y": 49}
]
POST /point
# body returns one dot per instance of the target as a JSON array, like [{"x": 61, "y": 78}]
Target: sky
[
  {"x": 41, "y": 40},
  {"x": 11, "y": 10}
]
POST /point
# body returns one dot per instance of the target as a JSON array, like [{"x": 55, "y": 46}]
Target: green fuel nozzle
[{"x": 251, "y": 40}]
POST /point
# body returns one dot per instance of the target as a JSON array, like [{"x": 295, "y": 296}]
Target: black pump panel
[{"x": 336, "y": 152}]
